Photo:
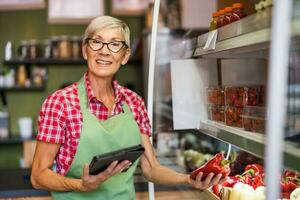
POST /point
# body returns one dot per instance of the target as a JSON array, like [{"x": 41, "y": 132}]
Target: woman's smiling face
[{"x": 104, "y": 63}]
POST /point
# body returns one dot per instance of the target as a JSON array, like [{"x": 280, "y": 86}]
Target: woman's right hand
[{"x": 91, "y": 182}]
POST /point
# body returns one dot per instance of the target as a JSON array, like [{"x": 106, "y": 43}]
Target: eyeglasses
[{"x": 114, "y": 46}]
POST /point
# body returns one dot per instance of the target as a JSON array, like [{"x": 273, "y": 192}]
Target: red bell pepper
[
  {"x": 285, "y": 195},
  {"x": 258, "y": 181},
  {"x": 254, "y": 169},
  {"x": 289, "y": 173},
  {"x": 246, "y": 179},
  {"x": 216, "y": 165},
  {"x": 288, "y": 184},
  {"x": 229, "y": 182},
  {"x": 217, "y": 189}
]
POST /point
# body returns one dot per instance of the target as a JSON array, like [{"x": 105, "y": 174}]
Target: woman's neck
[{"x": 102, "y": 88}]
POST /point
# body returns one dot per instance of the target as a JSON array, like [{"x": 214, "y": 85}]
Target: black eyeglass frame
[{"x": 105, "y": 43}]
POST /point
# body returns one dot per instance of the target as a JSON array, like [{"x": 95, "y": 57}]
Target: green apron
[{"x": 98, "y": 137}]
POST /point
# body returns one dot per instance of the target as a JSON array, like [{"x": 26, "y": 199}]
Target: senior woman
[{"x": 93, "y": 116}]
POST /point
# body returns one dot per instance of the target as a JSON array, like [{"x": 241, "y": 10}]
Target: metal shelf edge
[
  {"x": 249, "y": 141},
  {"x": 246, "y": 40}
]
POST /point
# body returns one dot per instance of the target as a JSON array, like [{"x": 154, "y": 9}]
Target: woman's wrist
[{"x": 187, "y": 180}]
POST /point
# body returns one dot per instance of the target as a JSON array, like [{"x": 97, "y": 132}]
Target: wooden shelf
[
  {"x": 22, "y": 89},
  {"x": 43, "y": 61},
  {"x": 14, "y": 140}
]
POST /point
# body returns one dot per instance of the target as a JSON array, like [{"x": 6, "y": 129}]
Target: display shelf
[
  {"x": 43, "y": 61},
  {"x": 22, "y": 89},
  {"x": 14, "y": 140},
  {"x": 246, "y": 38},
  {"x": 248, "y": 141}
]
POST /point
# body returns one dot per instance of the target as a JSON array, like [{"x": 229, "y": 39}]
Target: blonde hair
[{"x": 103, "y": 22}]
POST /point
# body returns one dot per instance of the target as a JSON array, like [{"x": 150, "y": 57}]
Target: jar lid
[
  {"x": 238, "y": 5},
  {"x": 32, "y": 42},
  {"x": 76, "y": 38},
  {"x": 228, "y": 9},
  {"x": 24, "y": 42},
  {"x": 47, "y": 41},
  {"x": 216, "y": 14},
  {"x": 222, "y": 12},
  {"x": 55, "y": 38},
  {"x": 64, "y": 37}
]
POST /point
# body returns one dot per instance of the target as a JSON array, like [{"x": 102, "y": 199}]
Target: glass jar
[
  {"x": 23, "y": 49},
  {"x": 213, "y": 22},
  {"x": 76, "y": 47},
  {"x": 22, "y": 75},
  {"x": 65, "y": 47},
  {"x": 33, "y": 49},
  {"x": 220, "y": 18},
  {"x": 238, "y": 9},
  {"x": 47, "y": 49},
  {"x": 227, "y": 16},
  {"x": 55, "y": 50}
]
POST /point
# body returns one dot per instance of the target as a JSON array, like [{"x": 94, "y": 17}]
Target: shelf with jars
[
  {"x": 22, "y": 78},
  {"x": 246, "y": 38},
  {"x": 58, "y": 50}
]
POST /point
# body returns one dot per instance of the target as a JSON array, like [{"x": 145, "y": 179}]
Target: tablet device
[{"x": 100, "y": 162}]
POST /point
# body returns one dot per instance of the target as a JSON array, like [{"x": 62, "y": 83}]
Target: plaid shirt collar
[{"x": 119, "y": 90}]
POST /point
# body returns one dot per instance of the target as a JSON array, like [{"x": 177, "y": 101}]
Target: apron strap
[{"x": 82, "y": 96}]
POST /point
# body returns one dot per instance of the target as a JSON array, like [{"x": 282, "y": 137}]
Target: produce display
[
  {"x": 216, "y": 113},
  {"x": 250, "y": 185},
  {"x": 215, "y": 96},
  {"x": 290, "y": 181},
  {"x": 238, "y": 106},
  {"x": 233, "y": 116},
  {"x": 227, "y": 15}
]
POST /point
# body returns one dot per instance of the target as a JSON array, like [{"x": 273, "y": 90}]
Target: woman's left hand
[{"x": 210, "y": 180}]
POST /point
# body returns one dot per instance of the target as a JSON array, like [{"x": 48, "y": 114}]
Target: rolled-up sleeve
[
  {"x": 52, "y": 120},
  {"x": 142, "y": 117}
]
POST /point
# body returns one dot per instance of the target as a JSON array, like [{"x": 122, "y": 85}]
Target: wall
[{"x": 32, "y": 24}]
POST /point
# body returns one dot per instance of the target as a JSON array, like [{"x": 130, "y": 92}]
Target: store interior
[{"x": 213, "y": 83}]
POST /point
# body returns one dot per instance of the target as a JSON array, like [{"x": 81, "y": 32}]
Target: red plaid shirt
[{"x": 60, "y": 118}]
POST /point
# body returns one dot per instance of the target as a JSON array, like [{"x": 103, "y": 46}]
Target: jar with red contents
[
  {"x": 228, "y": 16},
  {"x": 220, "y": 18},
  {"x": 239, "y": 10},
  {"x": 213, "y": 22}
]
